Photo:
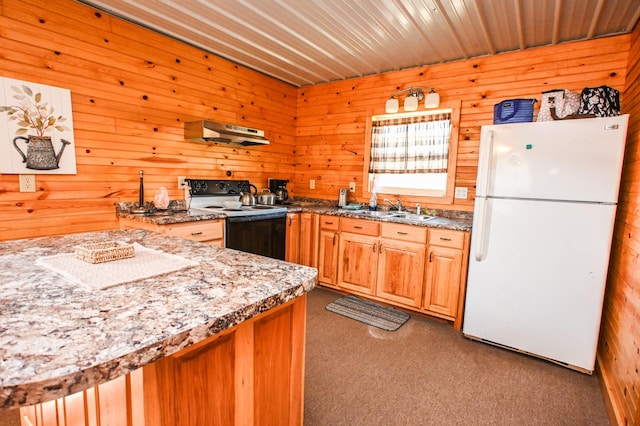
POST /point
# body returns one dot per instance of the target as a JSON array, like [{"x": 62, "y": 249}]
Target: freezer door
[
  {"x": 557, "y": 160},
  {"x": 539, "y": 284}
]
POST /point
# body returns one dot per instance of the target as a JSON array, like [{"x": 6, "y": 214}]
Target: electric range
[{"x": 258, "y": 229}]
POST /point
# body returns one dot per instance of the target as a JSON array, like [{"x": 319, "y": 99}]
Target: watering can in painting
[{"x": 40, "y": 152}]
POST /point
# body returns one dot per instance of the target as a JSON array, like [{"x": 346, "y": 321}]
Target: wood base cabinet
[
  {"x": 206, "y": 231},
  {"x": 292, "y": 243},
  {"x": 309, "y": 239},
  {"x": 328, "y": 250},
  {"x": 401, "y": 264},
  {"x": 358, "y": 261},
  {"x": 251, "y": 374},
  {"x": 445, "y": 282},
  {"x": 382, "y": 260},
  {"x": 414, "y": 267}
]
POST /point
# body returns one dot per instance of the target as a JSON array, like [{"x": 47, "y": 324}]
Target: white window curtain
[{"x": 418, "y": 144}]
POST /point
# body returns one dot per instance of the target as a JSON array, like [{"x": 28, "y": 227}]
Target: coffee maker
[{"x": 279, "y": 187}]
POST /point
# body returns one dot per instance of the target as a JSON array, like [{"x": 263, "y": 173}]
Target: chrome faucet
[{"x": 395, "y": 206}]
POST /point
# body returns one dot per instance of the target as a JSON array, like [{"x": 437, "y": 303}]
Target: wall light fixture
[{"x": 415, "y": 95}]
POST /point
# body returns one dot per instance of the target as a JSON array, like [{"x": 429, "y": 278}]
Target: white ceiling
[{"x": 306, "y": 42}]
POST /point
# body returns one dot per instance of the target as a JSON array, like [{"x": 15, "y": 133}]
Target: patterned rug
[{"x": 369, "y": 313}]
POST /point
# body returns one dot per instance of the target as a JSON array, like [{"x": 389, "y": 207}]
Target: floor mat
[{"x": 369, "y": 313}]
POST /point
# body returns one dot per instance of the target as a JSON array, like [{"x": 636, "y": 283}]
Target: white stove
[
  {"x": 207, "y": 196},
  {"x": 258, "y": 229}
]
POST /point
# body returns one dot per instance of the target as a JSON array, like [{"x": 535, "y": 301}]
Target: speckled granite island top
[{"x": 57, "y": 337}]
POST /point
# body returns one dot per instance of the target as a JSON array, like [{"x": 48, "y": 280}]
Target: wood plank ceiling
[{"x": 307, "y": 42}]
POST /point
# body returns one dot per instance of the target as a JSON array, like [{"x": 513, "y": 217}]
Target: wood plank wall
[
  {"x": 332, "y": 117},
  {"x": 131, "y": 91},
  {"x": 619, "y": 349}
]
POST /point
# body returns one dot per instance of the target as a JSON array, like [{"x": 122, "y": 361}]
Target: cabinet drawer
[
  {"x": 357, "y": 226},
  {"x": 416, "y": 234},
  {"x": 198, "y": 231},
  {"x": 329, "y": 222},
  {"x": 446, "y": 238}
]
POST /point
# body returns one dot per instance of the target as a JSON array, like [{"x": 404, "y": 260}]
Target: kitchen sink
[
  {"x": 396, "y": 214},
  {"x": 375, "y": 213}
]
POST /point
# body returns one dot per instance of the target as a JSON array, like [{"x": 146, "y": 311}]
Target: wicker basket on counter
[{"x": 106, "y": 251}]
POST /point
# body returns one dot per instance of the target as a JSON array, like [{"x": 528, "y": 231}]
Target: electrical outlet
[
  {"x": 312, "y": 184},
  {"x": 461, "y": 192},
  {"x": 27, "y": 183},
  {"x": 352, "y": 187},
  {"x": 182, "y": 182}
]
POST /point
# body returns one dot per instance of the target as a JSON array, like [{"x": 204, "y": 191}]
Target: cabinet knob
[
  {"x": 328, "y": 223},
  {"x": 374, "y": 247},
  {"x": 402, "y": 233},
  {"x": 196, "y": 233},
  {"x": 445, "y": 239},
  {"x": 357, "y": 226}
]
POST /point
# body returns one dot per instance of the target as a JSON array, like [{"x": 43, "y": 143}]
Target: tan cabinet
[
  {"x": 401, "y": 263},
  {"x": 328, "y": 250},
  {"x": 206, "y": 231},
  {"x": 309, "y": 239},
  {"x": 384, "y": 260},
  {"x": 292, "y": 243},
  {"x": 446, "y": 274},
  {"x": 415, "y": 267},
  {"x": 357, "y": 264}
]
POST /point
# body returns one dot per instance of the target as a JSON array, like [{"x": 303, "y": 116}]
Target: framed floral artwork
[{"x": 36, "y": 129}]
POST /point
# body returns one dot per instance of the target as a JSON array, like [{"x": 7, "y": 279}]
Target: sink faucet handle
[
  {"x": 399, "y": 205},
  {"x": 418, "y": 208}
]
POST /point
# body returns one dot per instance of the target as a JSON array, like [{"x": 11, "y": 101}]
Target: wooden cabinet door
[
  {"x": 401, "y": 272},
  {"x": 328, "y": 257},
  {"x": 292, "y": 243},
  {"x": 309, "y": 239},
  {"x": 357, "y": 264},
  {"x": 443, "y": 281}
]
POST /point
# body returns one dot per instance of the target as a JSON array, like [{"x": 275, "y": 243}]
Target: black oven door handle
[{"x": 251, "y": 218}]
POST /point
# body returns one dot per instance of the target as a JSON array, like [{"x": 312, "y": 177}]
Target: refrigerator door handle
[
  {"x": 485, "y": 165},
  {"x": 482, "y": 216}
]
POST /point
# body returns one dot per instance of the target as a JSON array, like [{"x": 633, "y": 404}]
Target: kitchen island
[{"x": 218, "y": 340}]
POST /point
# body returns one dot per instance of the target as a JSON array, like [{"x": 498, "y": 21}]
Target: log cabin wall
[
  {"x": 332, "y": 117},
  {"x": 619, "y": 348},
  {"x": 131, "y": 91}
]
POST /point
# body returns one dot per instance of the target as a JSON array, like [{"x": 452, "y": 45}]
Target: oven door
[{"x": 262, "y": 234}]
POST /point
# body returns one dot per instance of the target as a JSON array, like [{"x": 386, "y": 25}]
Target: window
[{"x": 413, "y": 154}]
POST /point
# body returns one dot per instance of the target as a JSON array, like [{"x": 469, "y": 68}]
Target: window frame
[{"x": 451, "y": 106}]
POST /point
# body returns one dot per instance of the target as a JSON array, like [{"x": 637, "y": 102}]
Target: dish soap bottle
[{"x": 373, "y": 202}]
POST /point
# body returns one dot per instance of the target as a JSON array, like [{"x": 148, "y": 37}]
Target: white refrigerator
[{"x": 543, "y": 222}]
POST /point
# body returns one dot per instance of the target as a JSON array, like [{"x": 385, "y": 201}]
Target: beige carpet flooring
[{"x": 426, "y": 373}]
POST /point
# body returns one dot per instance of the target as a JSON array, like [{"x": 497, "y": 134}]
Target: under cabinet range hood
[{"x": 212, "y": 132}]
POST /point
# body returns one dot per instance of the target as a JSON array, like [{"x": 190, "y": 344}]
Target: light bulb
[
  {"x": 432, "y": 100},
  {"x": 411, "y": 103},
  {"x": 392, "y": 106}
]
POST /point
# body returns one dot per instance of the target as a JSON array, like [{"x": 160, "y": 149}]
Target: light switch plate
[
  {"x": 352, "y": 187},
  {"x": 461, "y": 192},
  {"x": 182, "y": 182},
  {"x": 312, "y": 184},
  {"x": 27, "y": 183}
]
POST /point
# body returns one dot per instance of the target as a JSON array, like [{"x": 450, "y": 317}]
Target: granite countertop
[
  {"x": 454, "y": 220},
  {"x": 58, "y": 338}
]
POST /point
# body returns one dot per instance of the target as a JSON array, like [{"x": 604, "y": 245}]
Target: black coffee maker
[{"x": 279, "y": 187}]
